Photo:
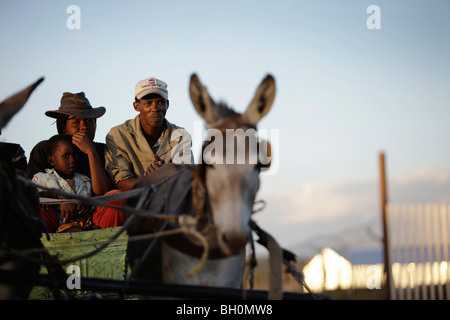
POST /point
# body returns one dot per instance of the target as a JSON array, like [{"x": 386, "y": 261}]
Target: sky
[{"x": 351, "y": 83}]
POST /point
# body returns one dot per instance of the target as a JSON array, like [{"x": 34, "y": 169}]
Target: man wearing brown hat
[
  {"x": 141, "y": 145},
  {"x": 76, "y": 117}
]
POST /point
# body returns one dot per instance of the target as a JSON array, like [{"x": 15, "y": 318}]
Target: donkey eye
[{"x": 209, "y": 165}]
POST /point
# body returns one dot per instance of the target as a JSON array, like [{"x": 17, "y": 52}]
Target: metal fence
[{"x": 418, "y": 251}]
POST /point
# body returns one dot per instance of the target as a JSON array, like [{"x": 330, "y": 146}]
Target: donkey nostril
[
  {"x": 225, "y": 239},
  {"x": 231, "y": 243}
]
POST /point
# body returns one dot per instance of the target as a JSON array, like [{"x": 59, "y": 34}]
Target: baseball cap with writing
[{"x": 151, "y": 85}]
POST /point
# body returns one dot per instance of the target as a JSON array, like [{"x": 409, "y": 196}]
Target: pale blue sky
[{"x": 344, "y": 92}]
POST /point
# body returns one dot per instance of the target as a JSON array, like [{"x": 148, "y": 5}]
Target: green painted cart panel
[{"x": 110, "y": 263}]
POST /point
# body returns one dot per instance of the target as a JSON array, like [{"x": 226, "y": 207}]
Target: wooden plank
[{"x": 110, "y": 263}]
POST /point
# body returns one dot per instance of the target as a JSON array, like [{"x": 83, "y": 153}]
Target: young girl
[{"x": 63, "y": 159}]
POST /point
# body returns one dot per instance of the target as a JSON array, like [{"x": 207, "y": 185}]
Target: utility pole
[{"x": 384, "y": 200}]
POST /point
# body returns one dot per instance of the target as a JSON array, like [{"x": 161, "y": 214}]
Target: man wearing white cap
[{"x": 141, "y": 145}]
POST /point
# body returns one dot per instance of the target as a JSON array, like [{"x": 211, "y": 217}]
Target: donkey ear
[
  {"x": 201, "y": 100},
  {"x": 12, "y": 105},
  {"x": 262, "y": 101},
  {"x": 264, "y": 154}
]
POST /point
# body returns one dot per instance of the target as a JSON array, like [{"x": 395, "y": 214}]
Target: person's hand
[
  {"x": 68, "y": 211},
  {"x": 83, "y": 142},
  {"x": 158, "y": 163},
  {"x": 83, "y": 208}
]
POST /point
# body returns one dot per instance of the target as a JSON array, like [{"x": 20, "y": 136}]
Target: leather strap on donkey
[{"x": 275, "y": 262}]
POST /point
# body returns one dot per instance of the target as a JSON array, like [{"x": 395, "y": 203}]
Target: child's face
[{"x": 64, "y": 158}]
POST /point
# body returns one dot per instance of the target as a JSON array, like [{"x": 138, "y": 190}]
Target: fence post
[{"x": 383, "y": 193}]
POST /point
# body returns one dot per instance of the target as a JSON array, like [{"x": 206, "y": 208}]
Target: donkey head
[{"x": 232, "y": 158}]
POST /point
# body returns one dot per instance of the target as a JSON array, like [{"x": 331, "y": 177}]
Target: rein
[
  {"x": 187, "y": 226},
  {"x": 200, "y": 194}
]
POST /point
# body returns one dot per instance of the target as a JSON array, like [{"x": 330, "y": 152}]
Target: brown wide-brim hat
[{"x": 76, "y": 104}]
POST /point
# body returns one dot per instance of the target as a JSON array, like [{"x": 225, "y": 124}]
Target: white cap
[{"x": 151, "y": 85}]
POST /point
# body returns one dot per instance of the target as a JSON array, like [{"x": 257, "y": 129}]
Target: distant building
[{"x": 328, "y": 270}]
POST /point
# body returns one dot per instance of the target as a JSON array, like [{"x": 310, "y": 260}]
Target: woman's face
[{"x": 77, "y": 124}]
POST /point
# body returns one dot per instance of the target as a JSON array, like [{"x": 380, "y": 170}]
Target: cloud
[
  {"x": 314, "y": 201},
  {"x": 316, "y": 210},
  {"x": 293, "y": 216},
  {"x": 424, "y": 185}
]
